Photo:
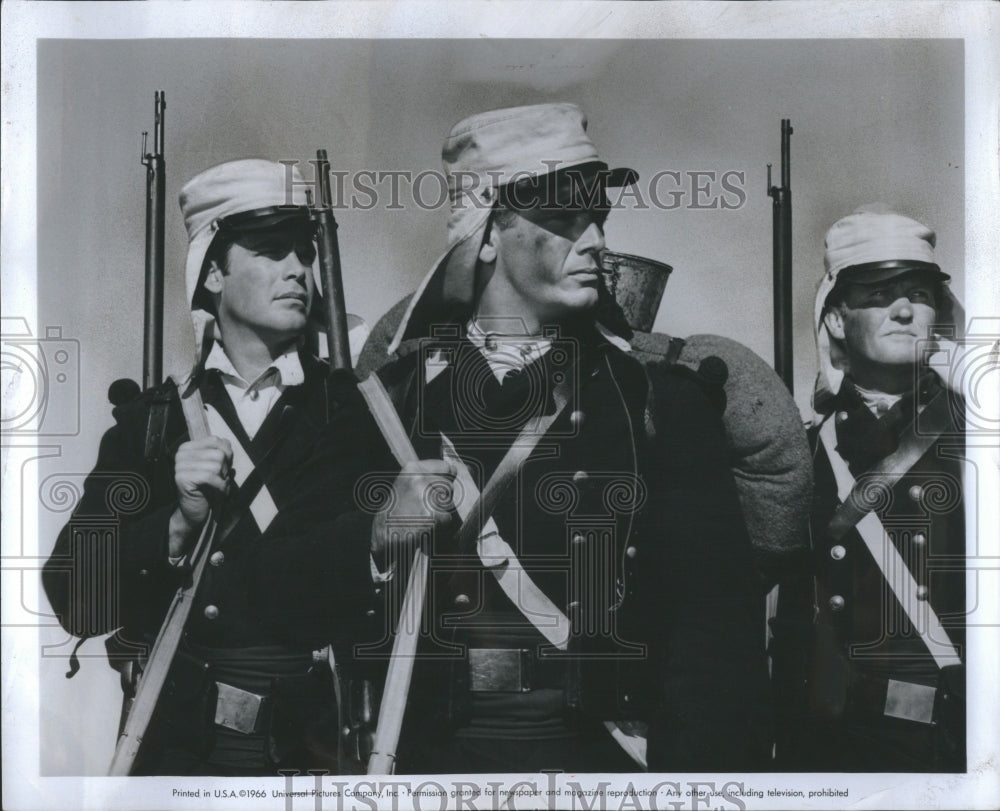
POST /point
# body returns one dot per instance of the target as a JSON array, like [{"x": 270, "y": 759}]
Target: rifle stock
[
  {"x": 404, "y": 646},
  {"x": 161, "y": 656}
]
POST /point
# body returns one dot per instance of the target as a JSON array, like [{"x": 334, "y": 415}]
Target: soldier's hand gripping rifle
[{"x": 397, "y": 683}]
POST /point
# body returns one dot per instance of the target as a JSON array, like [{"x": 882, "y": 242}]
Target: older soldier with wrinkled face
[
  {"x": 880, "y": 319},
  {"x": 607, "y": 598}
]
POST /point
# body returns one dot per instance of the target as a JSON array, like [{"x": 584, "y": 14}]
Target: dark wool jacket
[
  {"x": 299, "y": 584},
  {"x": 842, "y": 636},
  {"x": 924, "y": 516},
  {"x": 675, "y": 574}
]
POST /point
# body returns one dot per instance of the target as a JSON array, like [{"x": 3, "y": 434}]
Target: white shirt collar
[
  {"x": 288, "y": 367},
  {"x": 612, "y": 338},
  {"x": 504, "y": 352},
  {"x": 878, "y": 402}
]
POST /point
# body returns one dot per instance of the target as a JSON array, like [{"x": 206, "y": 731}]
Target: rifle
[
  {"x": 782, "y": 237},
  {"x": 782, "y": 286},
  {"x": 125, "y": 390},
  {"x": 397, "y": 683},
  {"x": 150, "y": 680},
  {"x": 156, "y": 187}
]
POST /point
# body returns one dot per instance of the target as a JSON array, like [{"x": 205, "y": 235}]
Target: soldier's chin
[
  {"x": 584, "y": 300},
  {"x": 290, "y": 324}
]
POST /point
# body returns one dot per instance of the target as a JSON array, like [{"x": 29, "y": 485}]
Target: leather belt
[
  {"x": 513, "y": 670},
  {"x": 245, "y": 706}
]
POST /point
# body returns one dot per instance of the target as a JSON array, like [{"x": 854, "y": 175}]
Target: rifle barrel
[
  {"x": 152, "y": 356},
  {"x": 782, "y": 277},
  {"x": 329, "y": 263}
]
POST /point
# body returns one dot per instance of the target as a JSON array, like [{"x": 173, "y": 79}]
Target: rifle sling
[
  {"x": 519, "y": 451},
  {"x": 888, "y": 559},
  {"x": 912, "y": 446},
  {"x": 517, "y": 585}
]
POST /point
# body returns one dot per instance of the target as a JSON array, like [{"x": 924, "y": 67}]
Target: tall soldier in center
[{"x": 603, "y": 571}]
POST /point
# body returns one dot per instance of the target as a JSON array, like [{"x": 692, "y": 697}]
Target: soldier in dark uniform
[
  {"x": 250, "y": 690},
  {"x": 879, "y": 681},
  {"x": 610, "y": 576}
]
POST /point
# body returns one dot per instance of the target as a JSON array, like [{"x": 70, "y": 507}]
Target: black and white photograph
[{"x": 571, "y": 405}]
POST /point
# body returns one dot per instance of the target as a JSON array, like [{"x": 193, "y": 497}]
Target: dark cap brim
[
  {"x": 262, "y": 219},
  {"x": 583, "y": 184},
  {"x": 599, "y": 170},
  {"x": 622, "y": 176},
  {"x": 875, "y": 272}
]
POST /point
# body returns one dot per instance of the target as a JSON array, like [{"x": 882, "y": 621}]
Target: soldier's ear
[
  {"x": 488, "y": 252},
  {"x": 834, "y": 321},
  {"x": 213, "y": 279}
]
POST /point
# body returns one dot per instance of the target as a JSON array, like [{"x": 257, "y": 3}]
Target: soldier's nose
[
  {"x": 592, "y": 239},
  {"x": 902, "y": 309},
  {"x": 293, "y": 268}
]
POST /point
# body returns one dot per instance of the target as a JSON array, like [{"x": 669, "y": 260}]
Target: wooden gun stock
[
  {"x": 165, "y": 647},
  {"x": 404, "y": 647}
]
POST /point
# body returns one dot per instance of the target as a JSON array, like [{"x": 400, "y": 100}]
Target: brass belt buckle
[
  {"x": 237, "y": 709},
  {"x": 499, "y": 670},
  {"x": 911, "y": 702}
]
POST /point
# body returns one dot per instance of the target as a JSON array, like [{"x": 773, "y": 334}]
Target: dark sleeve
[
  {"x": 311, "y": 579},
  {"x": 707, "y": 609},
  {"x": 109, "y": 566}
]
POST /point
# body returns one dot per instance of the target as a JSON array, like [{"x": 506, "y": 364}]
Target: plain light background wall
[{"x": 873, "y": 120}]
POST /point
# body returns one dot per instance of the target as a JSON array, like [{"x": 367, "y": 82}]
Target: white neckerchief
[
  {"x": 506, "y": 352},
  {"x": 878, "y": 402},
  {"x": 254, "y": 400},
  {"x": 503, "y": 352}
]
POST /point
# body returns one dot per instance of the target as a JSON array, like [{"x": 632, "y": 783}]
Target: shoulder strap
[
  {"x": 498, "y": 556},
  {"x": 674, "y": 349},
  {"x": 891, "y": 564},
  {"x": 519, "y": 451},
  {"x": 647, "y": 346},
  {"x": 891, "y": 469}
]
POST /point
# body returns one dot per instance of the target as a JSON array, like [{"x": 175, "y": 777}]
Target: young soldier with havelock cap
[
  {"x": 250, "y": 689},
  {"x": 881, "y": 679},
  {"x": 610, "y": 577}
]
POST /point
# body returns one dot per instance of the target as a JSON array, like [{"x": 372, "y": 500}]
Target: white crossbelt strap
[
  {"x": 497, "y": 556},
  {"x": 263, "y": 509},
  {"x": 894, "y": 569}
]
